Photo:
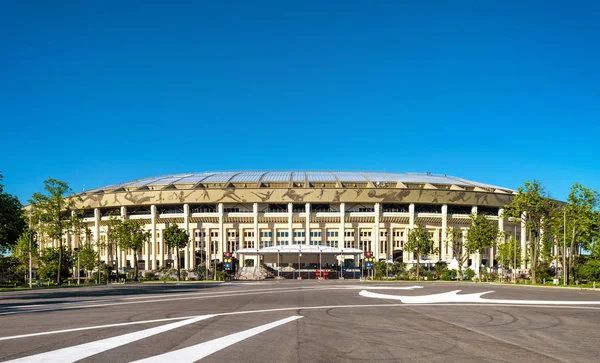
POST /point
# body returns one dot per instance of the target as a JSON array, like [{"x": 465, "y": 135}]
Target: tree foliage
[
  {"x": 483, "y": 234},
  {"x": 176, "y": 238},
  {"x": 53, "y": 212},
  {"x": 531, "y": 206},
  {"x": 12, "y": 223},
  {"x": 419, "y": 243},
  {"x": 133, "y": 237},
  {"x": 507, "y": 252},
  {"x": 454, "y": 237}
]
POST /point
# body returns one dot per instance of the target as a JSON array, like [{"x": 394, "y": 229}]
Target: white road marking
[
  {"x": 190, "y": 296},
  {"x": 199, "y": 351},
  {"x": 295, "y": 308},
  {"x": 358, "y": 287},
  {"x": 75, "y": 353},
  {"x": 186, "y": 297},
  {"x": 452, "y": 296}
]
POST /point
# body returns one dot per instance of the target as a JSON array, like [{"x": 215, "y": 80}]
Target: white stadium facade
[{"x": 283, "y": 220}]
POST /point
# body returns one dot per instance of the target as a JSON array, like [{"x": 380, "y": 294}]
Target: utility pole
[
  {"x": 515, "y": 258},
  {"x": 565, "y": 248}
]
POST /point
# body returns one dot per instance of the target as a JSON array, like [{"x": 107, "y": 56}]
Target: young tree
[
  {"x": 419, "y": 243},
  {"x": 20, "y": 251},
  {"x": 582, "y": 221},
  {"x": 53, "y": 211},
  {"x": 12, "y": 223},
  {"x": 87, "y": 259},
  {"x": 531, "y": 205},
  {"x": 454, "y": 237},
  {"x": 482, "y": 235},
  {"x": 114, "y": 233},
  {"x": 508, "y": 251},
  {"x": 134, "y": 237},
  {"x": 176, "y": 238}
]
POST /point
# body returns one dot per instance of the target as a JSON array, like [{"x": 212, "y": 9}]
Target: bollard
[{"x": 594, "y": 284}]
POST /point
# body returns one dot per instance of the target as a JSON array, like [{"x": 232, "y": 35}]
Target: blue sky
[{"x": 500, "y": 92}]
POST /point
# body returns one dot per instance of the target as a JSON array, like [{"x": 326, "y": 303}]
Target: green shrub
[{"x": 469, "y": 274}]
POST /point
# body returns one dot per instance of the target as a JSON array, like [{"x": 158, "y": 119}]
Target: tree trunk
[
  {"x": 480, "y": 265},
  {"x": 418, "y": 265},
  {"x": 533, "y": 261},
  {"x": 178, "y": 266},
  {"x": 135, "y": 261}
]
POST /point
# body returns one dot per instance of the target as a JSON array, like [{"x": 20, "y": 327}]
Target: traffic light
[
  {"x": 227, "y": 261},
  {"x": 368, "y": 260}
]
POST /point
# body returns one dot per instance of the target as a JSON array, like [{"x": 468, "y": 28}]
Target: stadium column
[
  {"x": 307, "y": 229},
  {"x": 376, "y": 247},
  {"x": 342, "y": 234},
  {"x": 475, "y": 256},
  {"x": 443, "y": 254},
  {"x": 436, "y": 242},
  {"x": 255, "y": 216},
  {"x": 523, "y": 242},
  {"x": 411, "y": 215},
  {"x": 405, "y": 253},
  {"x": 123, "y": 256},
  {"x": 97, "y": 228},
  {"x": 222, "y": 238},
  {"x": 153, "y": 237},
  {"x": 240, "y": 243},
  {"x": 186, "y": 224},
  {"x": 290, "y": 225}
]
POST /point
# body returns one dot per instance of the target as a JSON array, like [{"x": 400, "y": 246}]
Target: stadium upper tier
[{"x": 300, "y": 179}]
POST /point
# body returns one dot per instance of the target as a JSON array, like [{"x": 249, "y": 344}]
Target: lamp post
[{"x": 32, "y": 235}]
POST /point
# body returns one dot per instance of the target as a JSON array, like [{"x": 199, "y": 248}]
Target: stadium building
[{"x": 286, "y": 220}]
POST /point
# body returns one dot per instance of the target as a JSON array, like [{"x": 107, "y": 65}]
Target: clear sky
[{"x": 99, "y": 92}]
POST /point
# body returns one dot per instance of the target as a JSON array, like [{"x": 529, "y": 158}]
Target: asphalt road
[{"x": 301, "y": 321}]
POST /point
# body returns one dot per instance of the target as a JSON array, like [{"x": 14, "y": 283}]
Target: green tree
[
  {"x": 531, "y": 206},
  {"x": 379, "y": 268},
  {"x": 54, "y": 261},
  {"x": 582, "y": 222},
  {"x": 20, "y": 251},
  {"x": 134, "y": 237},
  {"x": 87, "y": 259},
  {"x": 507, "y": 252},
  {"x": 114, "y": 233},
  {"x": 482, "y": 235},
  {"x": 176, "y": 238},
  {"x": 454, "y": 237},
  {"x": 12, "y": 223},
  {"x": 420, "y": 244},
  {"x": 53, "y": 212}
]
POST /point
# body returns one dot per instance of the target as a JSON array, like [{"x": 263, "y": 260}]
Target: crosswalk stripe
[
  {"x": 75, "y": 353},
  {"x": 199, "y": 351}
]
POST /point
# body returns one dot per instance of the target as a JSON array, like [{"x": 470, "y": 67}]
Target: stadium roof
[{"x": 304, "y": 178}]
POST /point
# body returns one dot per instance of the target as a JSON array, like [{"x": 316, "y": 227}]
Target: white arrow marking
[
  {"x": 199, "y": 351},
  {"x": 452, "y": 297},
  {"x": 72, "y": 354}
]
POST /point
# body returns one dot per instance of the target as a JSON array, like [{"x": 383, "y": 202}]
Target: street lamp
[
  {"x": 32, "y": 236},
  {"x": 78, "y": 269}
]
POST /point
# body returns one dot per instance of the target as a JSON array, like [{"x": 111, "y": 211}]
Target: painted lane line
[
  {"x": 298, "y": 308},
  {"x": 95, "y": 327},
  {"x": 384, "y": 287},
  {"x": 221, "y": 294},
  {"x": 75, "y": 353},
  {"x": 452, "y": 296},
  {"x": 199, "y": 351},
  {"x": 156, "y": 297},
  {"x": 146, "y": 297}
]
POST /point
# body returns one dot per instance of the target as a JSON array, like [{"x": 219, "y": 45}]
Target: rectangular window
[
  {"x": 332, "y": 233},
  {"x": 383, "y": 233},
  {"x": 249, "y": 233},
  {"x": 366, "y": 210},
  {"x": 349, "y": 233}
]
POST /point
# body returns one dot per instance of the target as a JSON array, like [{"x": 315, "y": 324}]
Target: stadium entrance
[{"x": 301, "y": 262}]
